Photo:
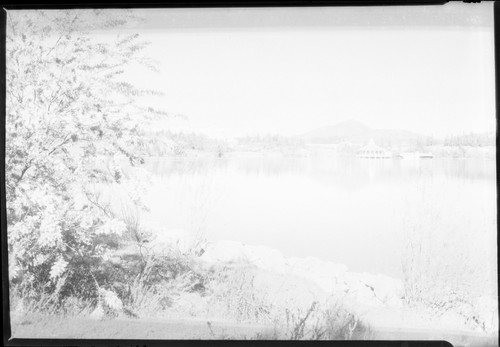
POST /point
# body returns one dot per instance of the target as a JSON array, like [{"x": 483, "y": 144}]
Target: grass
[
  {"x": 175, "y": 295},
  {"x": 176, "y": 290},
  {"x": 233, "y": 293},
  {"x": 233, "y": 305},
  {"x": 57, "y": 326},
  {"x": 317, "y": 323},
  {"x": 50, "y": 326},
  {"x": 228, "y": 304}
]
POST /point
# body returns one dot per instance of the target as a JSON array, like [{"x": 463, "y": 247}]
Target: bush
[
  {"x": 232, "y": 294},
  {"x": 333, "y": 323},
  {"x": 443, "y": 271}
]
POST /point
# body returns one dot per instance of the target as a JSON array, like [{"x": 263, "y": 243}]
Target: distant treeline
[
  {"x": 470, "y": 139},
  {"x": 166, "y": 142},
  {"x": 269, "y": 142}
]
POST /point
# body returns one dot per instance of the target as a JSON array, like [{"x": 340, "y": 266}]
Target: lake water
[{"x": 358, "y": 212}]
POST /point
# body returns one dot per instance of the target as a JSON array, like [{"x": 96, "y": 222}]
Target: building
[{"x": 371, "y": 150}]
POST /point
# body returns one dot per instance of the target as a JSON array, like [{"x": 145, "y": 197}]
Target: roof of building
[{"x": 371, "y": 146}]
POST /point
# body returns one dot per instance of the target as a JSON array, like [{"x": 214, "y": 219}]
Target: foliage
[
  {"x": 443, "y": 272},
  {"x": 471, "y": 139},
  {"x": 335, "y": 322},
  {"x": 71, "y": 117},
  {"x": 233, "y": 294},
  {"x": 269, "y": 142},
  {"x": 166, "y": 142}
]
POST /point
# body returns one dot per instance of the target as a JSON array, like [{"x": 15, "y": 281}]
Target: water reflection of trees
[
  {"x": 165, "y": 167},
  {"x": 354, "y": 173},
  {"x": 463, "y": 169},
  {"x": 349, "y": 172}
]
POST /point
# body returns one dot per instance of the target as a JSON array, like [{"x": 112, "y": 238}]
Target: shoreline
[
  {"x": 287, "y": 283},
  {"x": 376, "y": 298}
]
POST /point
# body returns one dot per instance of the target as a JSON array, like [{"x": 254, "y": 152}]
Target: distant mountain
[{"x": 358, "y": 133}]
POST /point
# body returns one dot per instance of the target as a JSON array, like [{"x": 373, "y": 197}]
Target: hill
[{"x": 358, "y": 133}]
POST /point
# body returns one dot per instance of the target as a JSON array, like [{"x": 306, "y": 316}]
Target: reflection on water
[
  {"x": 347, "y": 210},
  {"x": 354, "y": 169}
]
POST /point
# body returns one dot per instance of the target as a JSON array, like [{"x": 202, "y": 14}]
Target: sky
[{"x": 234, "y": 72}]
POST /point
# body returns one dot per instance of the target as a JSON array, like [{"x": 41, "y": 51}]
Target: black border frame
[{"x": 33, "y": 4}]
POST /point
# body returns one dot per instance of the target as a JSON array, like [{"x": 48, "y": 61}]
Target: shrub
[
  {"x": 232, "y": 294},
  {"x": 443, "y": 271},
  {"x": 334, "y": 323}
]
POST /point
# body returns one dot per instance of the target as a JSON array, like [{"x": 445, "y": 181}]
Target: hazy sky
[{"x": 245, "y": 71}]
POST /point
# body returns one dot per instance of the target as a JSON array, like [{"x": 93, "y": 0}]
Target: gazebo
[{"x": 371, "y": 150}]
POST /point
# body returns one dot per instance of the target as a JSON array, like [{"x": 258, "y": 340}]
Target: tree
[{"x": 71, "y": 118}]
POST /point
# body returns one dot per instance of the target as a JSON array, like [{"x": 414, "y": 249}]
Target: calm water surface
[{"x": 358, "y": 212}]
